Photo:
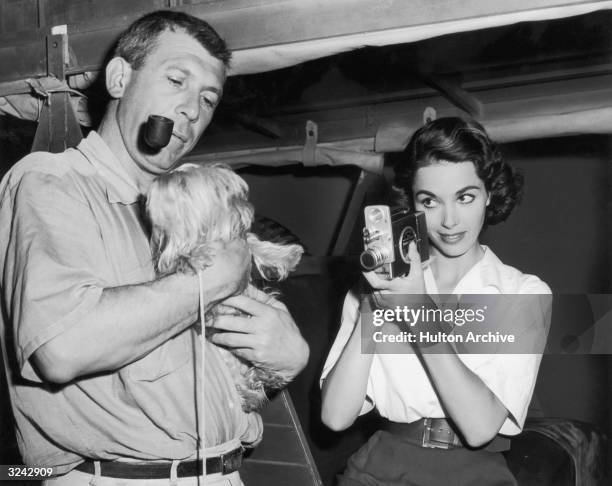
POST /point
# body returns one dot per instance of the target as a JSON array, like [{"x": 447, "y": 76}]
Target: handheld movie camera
[{"x": 386, "y": 236}]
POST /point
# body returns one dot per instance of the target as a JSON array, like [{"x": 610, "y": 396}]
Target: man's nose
[{"x": 190, "y": 107}]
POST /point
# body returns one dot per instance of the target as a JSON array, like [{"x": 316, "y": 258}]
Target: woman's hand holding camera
[{"x": 401, "y": 287}]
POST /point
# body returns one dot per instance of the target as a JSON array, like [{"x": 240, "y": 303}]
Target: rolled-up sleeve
[
  {"x": 511, "y": 373},
  {"x": 50, "y": 282}
]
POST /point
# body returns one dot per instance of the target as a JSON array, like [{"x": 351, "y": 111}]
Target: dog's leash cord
[{"x": 201, "y": 422}]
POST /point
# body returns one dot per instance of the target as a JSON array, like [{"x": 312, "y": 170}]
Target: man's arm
[{"x": 129, "y": 322}]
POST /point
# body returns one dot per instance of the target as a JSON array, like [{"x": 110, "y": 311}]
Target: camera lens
[
  {"x": 406, "y": 236},
  {"x": 372, "y": 258}
]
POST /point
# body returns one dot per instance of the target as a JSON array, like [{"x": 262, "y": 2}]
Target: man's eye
[
  {"x": 175, "y": 81},
  {"x": 208, "y": 102},
  {"x": 466, "y": 198}
]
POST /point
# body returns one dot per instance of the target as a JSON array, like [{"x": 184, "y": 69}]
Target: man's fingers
[
  {"x": 256, "y": 294},
  {"x": 246, "y": 346},
  {"x": 254, "y": 306},
  {"x": 244, "y": 353},
  {"x": 231, "y": 340},
  {"x": 225, "y": 310},
  {"x": 245, "y": 304},
  {"x": 233, "y": 323},
  {"x": 263, "y": 297},
  {"x": 267, "y": 337}
]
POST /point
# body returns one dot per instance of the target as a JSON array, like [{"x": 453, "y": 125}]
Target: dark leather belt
[
  {"x": 225, "y": 464},
  {"x": 439, "y": 434}
]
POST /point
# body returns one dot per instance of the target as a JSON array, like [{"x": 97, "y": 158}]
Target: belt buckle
[
  {"x": 445, "y": 441},
  {"x": 231, "y": 461}
]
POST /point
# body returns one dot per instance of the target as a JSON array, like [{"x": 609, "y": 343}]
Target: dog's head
[{"x": 194, "y": 206}]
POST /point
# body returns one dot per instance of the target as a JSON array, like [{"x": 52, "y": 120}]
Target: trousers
[
  {"x": 78, "y": 478},
  {"x": 391, "y": 460}
]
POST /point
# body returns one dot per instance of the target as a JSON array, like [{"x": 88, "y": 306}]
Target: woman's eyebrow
[
  {"x": 426, "y": 193},
  {"x": 467, "y": 188}
]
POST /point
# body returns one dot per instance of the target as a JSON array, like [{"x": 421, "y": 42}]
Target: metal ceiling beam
[
  {"x": 454, "y": 93},
  {"x": 266, "y": 127},
  {"x": 501, "y": 80},
  {"x": 387, "y": 122},
  {"x": 249, "y": 26}
]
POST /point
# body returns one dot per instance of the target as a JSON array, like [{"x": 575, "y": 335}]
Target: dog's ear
[{"x": 274, "y": 260}]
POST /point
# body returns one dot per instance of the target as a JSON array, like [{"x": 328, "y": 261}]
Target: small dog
[{"x": 194, "y": 206}]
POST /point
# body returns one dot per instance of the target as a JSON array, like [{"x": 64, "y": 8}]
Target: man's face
[{"x": 180, "y": 80}]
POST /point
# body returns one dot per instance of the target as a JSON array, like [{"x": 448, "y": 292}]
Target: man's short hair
[{"x": 141, "y": 37}]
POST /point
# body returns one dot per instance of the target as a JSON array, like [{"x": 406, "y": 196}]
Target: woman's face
[{"x": 454, "y": 201}]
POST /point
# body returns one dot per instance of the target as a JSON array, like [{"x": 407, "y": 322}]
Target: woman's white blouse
[{"x": 398, "y": 386}]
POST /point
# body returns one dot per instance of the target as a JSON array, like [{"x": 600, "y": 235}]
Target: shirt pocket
[{"x": 164, "y": 360}]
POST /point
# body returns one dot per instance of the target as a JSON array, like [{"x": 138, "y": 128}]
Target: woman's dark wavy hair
[
  {"x": 141, "y": 37},
  {"x": 454, "y": 139}
]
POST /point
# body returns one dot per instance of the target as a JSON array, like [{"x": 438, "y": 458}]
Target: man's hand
[
  {"x": 265, "y": 334},
  {"x": 228, "y": 272}
]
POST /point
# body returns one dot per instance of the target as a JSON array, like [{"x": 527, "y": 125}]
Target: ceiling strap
[{"x": 310, "y": 147}]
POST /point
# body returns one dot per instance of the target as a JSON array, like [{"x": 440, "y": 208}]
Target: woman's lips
[{"x": 451, "y": 238}]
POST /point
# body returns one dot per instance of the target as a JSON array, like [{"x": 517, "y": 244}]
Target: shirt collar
[
  {"x": 484, "y": 277},
  {"x": 119, "y": 186}
]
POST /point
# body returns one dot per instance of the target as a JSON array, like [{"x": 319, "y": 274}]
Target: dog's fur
[{"x": 192, "y": 207}]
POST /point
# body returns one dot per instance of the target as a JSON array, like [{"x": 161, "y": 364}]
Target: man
[{"x": 99, "y": 352}]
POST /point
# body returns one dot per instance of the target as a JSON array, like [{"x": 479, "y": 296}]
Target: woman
[{"x": 448, "y": 414}]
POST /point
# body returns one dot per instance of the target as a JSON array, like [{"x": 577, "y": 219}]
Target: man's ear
[{"x": 118, "y": 75}]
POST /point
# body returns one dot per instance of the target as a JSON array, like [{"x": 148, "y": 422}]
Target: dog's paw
[
  {"x": 269, "y": 380},
  {"x": 255, "y": 385},
  {"x": 252, "y": 398}
]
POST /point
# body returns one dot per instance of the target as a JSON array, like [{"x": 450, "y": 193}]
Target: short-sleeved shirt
[
  {"x": 72, "y": 227},
  {"x": 398, "y": 385}
]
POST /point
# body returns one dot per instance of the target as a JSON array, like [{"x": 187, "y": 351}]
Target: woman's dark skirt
[{"x": 391, "y": 460}]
